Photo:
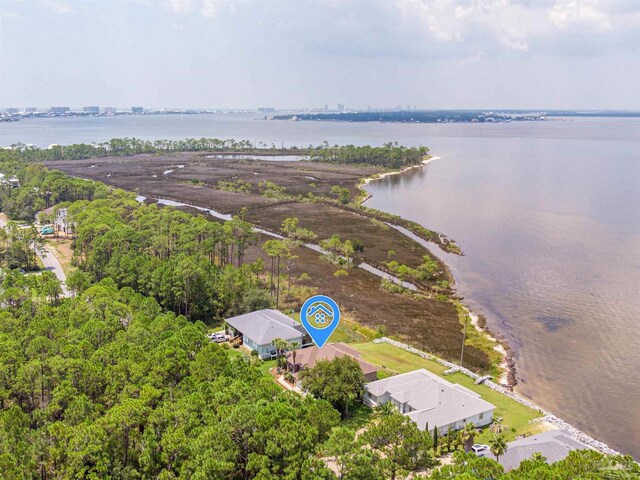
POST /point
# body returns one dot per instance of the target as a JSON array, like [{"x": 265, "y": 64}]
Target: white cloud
[
  {"x": 58, "y": 6},
  {"x": 436, "y": 17},
  {"x": 181, "y": 7},
  {"x": 430, "y": 28},
  {"x": 514, "y": 40},
  {"x": 578, "y": 13},
  {"x": 10, "y": 15},
  {"x": 209, "y": 8},
  {"x": 441, "y": 34},
  {"x": 503, "y": 24}
]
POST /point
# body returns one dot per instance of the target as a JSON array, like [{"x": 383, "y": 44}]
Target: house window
[{"x": 481, "y": 415}]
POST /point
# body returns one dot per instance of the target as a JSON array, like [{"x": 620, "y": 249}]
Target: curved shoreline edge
[
  {"x": 507, "y": 365},
  {"x": 508, "y": 375}
]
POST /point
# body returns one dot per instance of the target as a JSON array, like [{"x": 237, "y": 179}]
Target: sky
[{"x": 431, "y": 54}]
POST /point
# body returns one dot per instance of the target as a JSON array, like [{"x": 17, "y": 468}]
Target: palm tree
[
  {"x": 538, "y": 457},
  {"x": 281, "y": 346},
  {"x": 293, "y": 348},
  {"x": 387, "y": 409},
  {"x": 497, "y": 427},
  {"x": 498, "y": 446},
  {"x": 468, "y": 434}
]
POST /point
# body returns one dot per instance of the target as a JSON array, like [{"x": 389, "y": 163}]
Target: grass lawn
[
  {"x": 358, "y": 416},
  {"x": 264, "y": 366},
  {"x": 396, "y": 360}
]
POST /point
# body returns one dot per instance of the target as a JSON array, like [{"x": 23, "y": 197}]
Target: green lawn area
[
  {"x": 396, "y": 360},
  {"x": 359, "y": 415},
  {"x": 264, "y": 365}
]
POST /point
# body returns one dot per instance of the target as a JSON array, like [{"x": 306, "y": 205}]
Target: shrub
[
  {"x": 392, "y": 286},
  {"x": 358, "y": 245}
]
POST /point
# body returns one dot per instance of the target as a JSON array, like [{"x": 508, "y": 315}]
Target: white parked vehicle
[
  {"x": 217, "y": 337},
  {"x": 479, "y": 448}
]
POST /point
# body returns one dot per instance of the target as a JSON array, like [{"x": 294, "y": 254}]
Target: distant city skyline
[
  {"x": 431, "y": 54},
  {"x": 100, "y": 109}
]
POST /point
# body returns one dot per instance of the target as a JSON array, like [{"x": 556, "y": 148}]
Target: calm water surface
[{"x": 547, "y": 213}]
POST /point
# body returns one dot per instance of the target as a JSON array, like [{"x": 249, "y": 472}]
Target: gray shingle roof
[
  {"x": 554, "y": 445},
  {"x": 435, "y": 401},
  {"x": 264, "y": 326}
]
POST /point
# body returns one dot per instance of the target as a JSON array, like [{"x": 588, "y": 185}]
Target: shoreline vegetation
[{"x": 435, "y": 289}]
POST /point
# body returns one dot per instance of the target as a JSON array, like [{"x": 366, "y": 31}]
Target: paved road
[{"x": 50, "y": 262}]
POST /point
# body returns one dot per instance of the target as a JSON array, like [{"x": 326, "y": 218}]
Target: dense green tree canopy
[
  {"x": 106, "y": 385},
  {"x": 191, "y": 265},
  {"x": 40, "y": 188},
  {"x": 339, "y": 381}
]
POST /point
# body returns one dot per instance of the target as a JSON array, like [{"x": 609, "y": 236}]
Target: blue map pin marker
[{"x": 320, "y": 316}]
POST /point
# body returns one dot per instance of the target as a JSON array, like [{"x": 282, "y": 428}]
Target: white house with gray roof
[
  {"x": 260, "y": 328},
  {"x": 430, "y": 401}
]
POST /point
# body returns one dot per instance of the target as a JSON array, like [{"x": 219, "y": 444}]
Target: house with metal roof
[
  {"x": 259, "y": 329},
  {"x": 554, "y": 446},
  {"x": 431, "y": 401},
  {"x": 309, "y": 357}
]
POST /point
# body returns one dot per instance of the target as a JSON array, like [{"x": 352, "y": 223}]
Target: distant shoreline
[{"x": 448, "y": 116}]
